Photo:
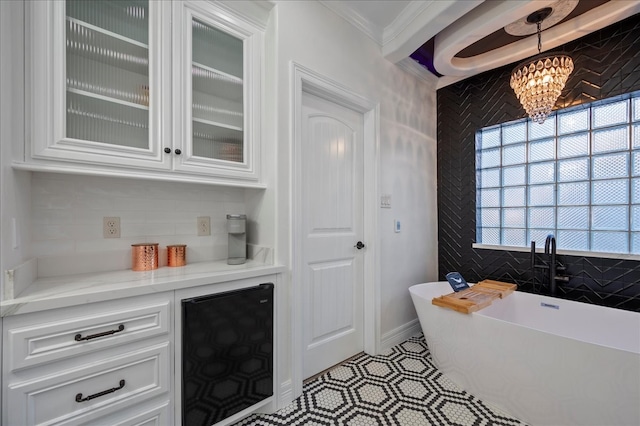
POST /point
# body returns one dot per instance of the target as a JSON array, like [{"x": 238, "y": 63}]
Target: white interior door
[{"x": 332, "y": 224}]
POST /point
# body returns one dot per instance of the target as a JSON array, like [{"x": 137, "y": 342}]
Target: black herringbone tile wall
[{"x": 607, "y": 63}]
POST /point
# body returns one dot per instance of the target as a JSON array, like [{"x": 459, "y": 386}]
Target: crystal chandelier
[{"x": 539, "y": 81}]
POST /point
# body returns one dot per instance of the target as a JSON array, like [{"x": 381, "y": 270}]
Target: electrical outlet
[
  {"x": 111, "y": 227},
  {"x": 204, "y": 226}
]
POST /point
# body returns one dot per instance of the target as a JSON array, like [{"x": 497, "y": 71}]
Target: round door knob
[
  {"x": 359, "y": 245},
  {"x": 167, "y": 150},
  {"x": 177, "y": 151}
]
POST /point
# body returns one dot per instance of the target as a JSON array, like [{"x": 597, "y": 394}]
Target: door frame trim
[{"x": 306, "y": 80}]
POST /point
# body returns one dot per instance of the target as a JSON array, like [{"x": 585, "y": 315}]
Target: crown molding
[
  {"x": 257, "y": 11},
  {"x": 404, "y": 18},
  {"x": 418, "y": 71},
  {"x": 376, "y": 33},
  {"x": 371, "y": 30}
]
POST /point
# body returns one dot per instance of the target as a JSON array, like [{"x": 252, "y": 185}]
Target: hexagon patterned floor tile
[{"x": 401, "y": 387}]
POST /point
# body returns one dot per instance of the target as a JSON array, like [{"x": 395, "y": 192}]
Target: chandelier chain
[{"x": 539, "y": 25}]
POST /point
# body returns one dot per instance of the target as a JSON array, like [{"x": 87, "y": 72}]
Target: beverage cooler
[{"x": 227, "y": 353}]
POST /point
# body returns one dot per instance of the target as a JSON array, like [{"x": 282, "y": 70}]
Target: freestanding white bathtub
[{"x": 544, "y": 360}]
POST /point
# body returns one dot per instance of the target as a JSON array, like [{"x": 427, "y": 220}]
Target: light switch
[{"x": 385, "y": 201}]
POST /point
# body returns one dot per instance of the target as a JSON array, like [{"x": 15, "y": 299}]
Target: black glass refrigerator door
[{"x": 227, "y": 353}]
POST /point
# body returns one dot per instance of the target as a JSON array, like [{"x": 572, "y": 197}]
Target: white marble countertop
[{"x": 65, "y": 291}]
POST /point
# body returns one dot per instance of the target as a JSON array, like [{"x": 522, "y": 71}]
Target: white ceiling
[
  {"x": 401, "y": 27},
  {"x": 379, "y": 13}
]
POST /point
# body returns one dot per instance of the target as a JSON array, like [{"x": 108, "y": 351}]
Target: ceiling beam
[{"x": 419, "y": 22}]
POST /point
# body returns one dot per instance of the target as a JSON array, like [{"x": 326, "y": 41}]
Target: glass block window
[{"x": 576, "y": 176}]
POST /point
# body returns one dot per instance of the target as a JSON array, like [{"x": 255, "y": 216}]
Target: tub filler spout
[
  {"x": 552, "y": 266},
  {"x": 550, "y": 250}
]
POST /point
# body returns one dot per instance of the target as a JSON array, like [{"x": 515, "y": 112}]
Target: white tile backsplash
[{"x": 67, "y": 212}]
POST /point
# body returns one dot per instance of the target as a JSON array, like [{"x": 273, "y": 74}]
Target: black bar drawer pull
[
  {"x": 79, "y": 397},
  {"x": 79, "y": 337}
]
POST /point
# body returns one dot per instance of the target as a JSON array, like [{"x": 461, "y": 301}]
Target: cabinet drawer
[
  {"x": 156, "y": 416},
  {"x": 96, "y": 389},
  {"x": 41, "y": 343}
]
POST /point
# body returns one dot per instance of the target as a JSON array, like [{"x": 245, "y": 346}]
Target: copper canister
[
  {"x": 177, "y": 255},
  {"x": 144, "y": 256}
]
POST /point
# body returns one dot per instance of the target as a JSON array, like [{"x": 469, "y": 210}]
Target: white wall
[
  {"x": 407, "y": 172},
  {"x": 14, "y": 186},
  {"x": 68, "y": 210},
  {"x": 311, "y": 35}
]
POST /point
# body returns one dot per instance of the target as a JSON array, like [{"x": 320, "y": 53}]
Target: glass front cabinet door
[
  {"x": 216, "y": 90},
  {"x": 124, "y": 86}
]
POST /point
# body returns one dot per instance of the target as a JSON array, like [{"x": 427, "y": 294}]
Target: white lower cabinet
[
  {"x": 73, "y": 396},
  {"x": 30, "y": 345},
  {"x": 111, "y": 363},
  {"x": 103, "y": 363},
  {"x": 159, "y": 415}
]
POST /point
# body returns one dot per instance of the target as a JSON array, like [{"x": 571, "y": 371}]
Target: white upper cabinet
[
  {"x": 154, "y": 89},
  {"x": 216, "y": 90},
  {"x": 100, "y": 93}
]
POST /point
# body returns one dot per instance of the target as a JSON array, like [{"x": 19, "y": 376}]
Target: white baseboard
[
  {"x": 399, "y": 334},
  {"x": 286, "y": 394}
]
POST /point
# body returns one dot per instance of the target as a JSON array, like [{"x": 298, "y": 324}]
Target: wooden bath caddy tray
[{"x": 477, "y": 297}]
